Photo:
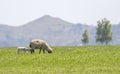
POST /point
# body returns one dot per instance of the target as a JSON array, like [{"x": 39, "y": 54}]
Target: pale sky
[{"x": 19, "y": 12}]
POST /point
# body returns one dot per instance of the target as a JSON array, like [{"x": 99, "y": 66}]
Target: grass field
[{"x": 63, "y": 60}]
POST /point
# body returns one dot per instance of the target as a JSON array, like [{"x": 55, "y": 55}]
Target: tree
[
  {"x": 103, "y": 34},
  {"x": 85, "y": 36}
]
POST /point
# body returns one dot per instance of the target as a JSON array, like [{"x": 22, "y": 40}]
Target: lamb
[{"x": 25, "y": 49}]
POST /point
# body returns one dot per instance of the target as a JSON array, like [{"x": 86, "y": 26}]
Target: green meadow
[{"x": 63, "y": 60}]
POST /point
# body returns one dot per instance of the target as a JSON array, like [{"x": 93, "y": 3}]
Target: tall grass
[{"x": 63, "y": 60}]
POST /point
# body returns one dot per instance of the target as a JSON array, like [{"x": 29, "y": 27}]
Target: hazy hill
[{"x": 54, "y": 30}]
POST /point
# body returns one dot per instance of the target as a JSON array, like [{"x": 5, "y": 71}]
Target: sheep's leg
[
  {"x": 33, "y": 51},
  {"x": 24, "y": 51},
  {"x": 43, "y": 50},
  {"x": 18, "y": 51},
  {"x": 39, "y": 51}
]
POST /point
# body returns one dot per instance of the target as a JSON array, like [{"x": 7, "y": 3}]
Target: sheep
[
  {"x": 41, "y": 45},
  {"x": 25, "y": 49}
]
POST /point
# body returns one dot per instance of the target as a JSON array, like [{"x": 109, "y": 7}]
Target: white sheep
[
  {"x": 41, "y": 45},
  {"x": 25, "y": 49}
]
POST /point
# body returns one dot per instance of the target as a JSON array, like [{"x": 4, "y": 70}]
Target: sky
[{"x": 20, "y": 12}]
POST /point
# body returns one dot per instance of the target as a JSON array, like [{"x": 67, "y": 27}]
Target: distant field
[{"x": 63, "y": 60}]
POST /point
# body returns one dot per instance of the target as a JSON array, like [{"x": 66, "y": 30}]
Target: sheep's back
[{"x": 37, "y": 43}]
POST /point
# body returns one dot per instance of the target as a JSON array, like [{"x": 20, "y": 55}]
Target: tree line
[{"x": 103, "y": 33}]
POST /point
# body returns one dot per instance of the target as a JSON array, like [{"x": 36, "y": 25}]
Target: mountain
[{"x": 51, "y": 29}]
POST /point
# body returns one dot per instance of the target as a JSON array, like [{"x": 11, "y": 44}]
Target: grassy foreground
[{"x": 63, "y": 60}]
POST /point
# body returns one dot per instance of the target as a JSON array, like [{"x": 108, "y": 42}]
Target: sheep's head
[{"x": 49, "y": 50}]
